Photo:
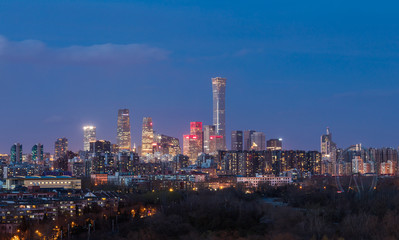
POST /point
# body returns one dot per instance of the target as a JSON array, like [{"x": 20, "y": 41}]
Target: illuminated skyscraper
[
  {"x": 147, "y": 137},
  {"x": 219, "y": 120},
  {"x": 236, "y": 140},
  {"x": 209, "y": 130},
  {"x": 37, "y": 153},
  {"x": 123, "y": 136},
  {"x": 16, "y": 153},
  {"x": 193, "y": 144},
  {"x": 89, "y": 135},
  {"x": 328, "y": 152},
  {"x": 61, "y": 148}
]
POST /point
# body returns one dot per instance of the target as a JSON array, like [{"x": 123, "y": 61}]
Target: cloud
[{"x": 33, "y": 51}]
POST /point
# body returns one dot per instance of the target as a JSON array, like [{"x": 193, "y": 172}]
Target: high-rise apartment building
[
  {"x": 147, "y": 137},
  {"x": 209, "y": 130},
  {"x": 219, "y": 120},
  {"x": 100, "y": 146},
  {"x": 258, "y": 141},
  {"x": 274, "y": 144},
  {"x": 16, "y": 153},
  {"x": 236, "y": 140},
  {"x": 123, "y": 136},
  {"x": 60, "y": 148},
  {"x": 247, "y": 140},
  {"x": 89, "y": 135},
  {"x": 37, "y": 153}
]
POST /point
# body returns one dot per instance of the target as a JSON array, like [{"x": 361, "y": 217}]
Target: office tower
[
  {"x": 192, "y": 143},
  {"x": 209, "y": 130},
  {"x": 215, "y": 143},
  {"x": 196, "y": 130},
  {"x": 123, "y": 137},
  {"x": 236, "y": 140},
  {"x": 219, "y": 89},
  {"x": 89, "y": 135},
  {"x": 100, "y": 146},
  {"x": 328, "y": 153},
  {"x": 258, "y": 141},
  {"x": 247, "y": 140},
  {"x": 37, "y": 153},
  {"x": 167, "y": 145},
  {"x": 274, "y": 144},
  {"x": 147, "y": 137},
  {"x": 60, "y": 148},
  {"x": 16, "y": 153}
]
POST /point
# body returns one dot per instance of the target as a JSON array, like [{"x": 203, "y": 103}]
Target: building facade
[
  {"x": 147, "y": 137},
  {"x": 89, "y": 135},
  {"x": 219, "y": 108},
  {"x": 237, "y": 140},
  {"x": 60, "y": 147},
  {"x": 123, "y": 135}
]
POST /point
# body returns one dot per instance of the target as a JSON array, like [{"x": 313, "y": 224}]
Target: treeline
[{"x": 313, "y": 212}]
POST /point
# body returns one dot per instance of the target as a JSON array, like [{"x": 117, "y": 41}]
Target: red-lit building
[{"x": 193, "y": 143}]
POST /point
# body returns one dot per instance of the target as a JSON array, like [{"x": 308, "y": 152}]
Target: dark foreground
[{"x": 314, "y": 212}]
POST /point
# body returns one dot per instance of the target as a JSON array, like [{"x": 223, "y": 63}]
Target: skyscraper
[
  {"x": 89, "y": 135},
  {"x": 274, "y": 144},
  {"x": 60, "y": 148},
  {"x": 16, "y": 153},
  {"x": 236, "y": 140},
  {"x": 209, "y": 130},
  {"x": 328, "y": 152},
  {"x": 192, "y": 143},
  {"x": 37, "y": 153},
  {"x": 258, "y": 141},
  {"x": 219, "y": 120},
  {"x": 247, "y": 139},
  {"x": 123, "y": 136},
  {"x": 147, "y": 137}
]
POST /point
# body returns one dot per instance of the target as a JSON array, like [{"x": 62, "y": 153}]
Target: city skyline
[{"x": 290, "y": 73}]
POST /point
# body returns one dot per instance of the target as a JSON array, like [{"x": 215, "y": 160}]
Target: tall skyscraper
[
  {"x": 236, "y": 140},
  {"x": 37, "y": 153},
  {"x": 60, "y": 148},
  {"x": 258, "y": 141},
  {"x": 147, "y": 137},
  {"x": 219, "y": 120},
  {"x": 328, "y": 152},
  {"x": 123, "y": 136},
  {"x": 247, "y": 139},
  {"x": 209, "y": 130},
  {"x": 274, "y": 144},
  {"x": 89, "y": 135},
  {"x": 16, "y": 153}
]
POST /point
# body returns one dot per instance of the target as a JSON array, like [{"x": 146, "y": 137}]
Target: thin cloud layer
[{"x": 33, "y": 51}]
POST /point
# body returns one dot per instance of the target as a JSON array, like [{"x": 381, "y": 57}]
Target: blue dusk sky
[{"x": 292, "y": 68}]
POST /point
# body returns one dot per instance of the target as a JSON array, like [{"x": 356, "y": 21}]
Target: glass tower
[
  {"x": 16, "y": 153},
  {"x": 219, "y": 89},
  {"x": 37, "y": 153},
  {"x": 123, "y": 136},
  {"x": 147, "y": 137},
  {"x": 89, "y": 135}
]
